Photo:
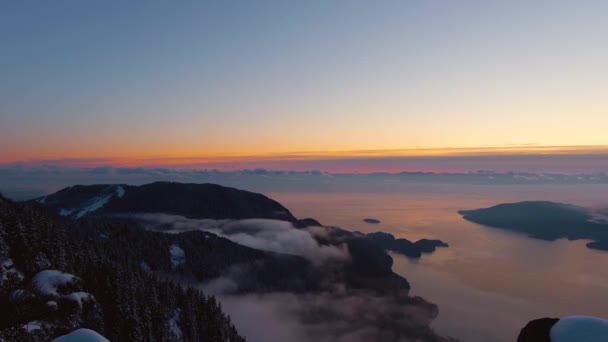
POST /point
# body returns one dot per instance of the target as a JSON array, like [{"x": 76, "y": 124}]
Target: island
[
  {"x": 544, "y": 220},
  {"x": 371, "y": 221},
  {"x": 410, "y": 249}
]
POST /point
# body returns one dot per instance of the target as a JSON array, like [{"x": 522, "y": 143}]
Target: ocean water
[{"x": 489, "y": 283}]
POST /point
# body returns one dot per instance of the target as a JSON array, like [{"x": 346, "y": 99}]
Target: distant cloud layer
[{"x": 29, "y": 181}]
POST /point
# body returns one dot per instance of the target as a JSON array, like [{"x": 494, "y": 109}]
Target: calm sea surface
[{"x": 489, "y": 283}]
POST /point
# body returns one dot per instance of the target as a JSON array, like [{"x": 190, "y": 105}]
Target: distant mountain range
[{"x": 544, "y": 220}]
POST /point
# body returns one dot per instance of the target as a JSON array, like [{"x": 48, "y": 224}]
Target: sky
[{"x": 259, "y": 83}]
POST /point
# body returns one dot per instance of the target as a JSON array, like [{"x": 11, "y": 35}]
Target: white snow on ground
[
  {"x": 79, "y": 297},
  {"x": 174, "y": 324},
  {"x": 81, "y": 335},
  {"x": 580, "y": 328},
  {"x": 120, "y": 191},
  {"x": 144, "y": 266},
  {"x": 66, "y": 212},
  {"x": 52, "y": 305},
  {"x": 32, "y": 326},
  {"x": 178, "y": 256},
  {"x": 98, "y": 203},
  {"x": 8, "y": 267},
  {"x": 47, "y": 282},
  {"x": 7, "y": 264},
  {"x": 18, "y": 295}
]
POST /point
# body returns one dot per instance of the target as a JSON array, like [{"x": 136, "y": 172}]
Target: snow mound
[
  {"x": 81, "y": 335},
  {"x": 51, "y": 305},
  {"x": 178, "y": 256},
  {"x": 7, "y": 268},
  {"x": 7, "y": 264},
  {"x": 33, "y": 326},
  {"x": 79, "y": 298},
  {"x": 47, "y": 282},
  {"x": 580, "y": 328}
]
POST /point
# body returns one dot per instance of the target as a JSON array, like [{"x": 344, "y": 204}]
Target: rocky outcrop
[{"x": 537, "y": 330}]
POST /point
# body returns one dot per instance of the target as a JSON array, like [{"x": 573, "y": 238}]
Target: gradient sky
[{"x": 164, "y": 79}]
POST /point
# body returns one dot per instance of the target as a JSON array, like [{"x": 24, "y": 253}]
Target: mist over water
[{"x": 489, "y": 283}]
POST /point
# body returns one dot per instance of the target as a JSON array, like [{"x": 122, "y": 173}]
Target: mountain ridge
[{"x": 190, "y": 200}]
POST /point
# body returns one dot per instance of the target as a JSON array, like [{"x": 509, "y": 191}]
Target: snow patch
[
  {"x": 47, "y": 282},
  {"x": 51, "y": 305},
  {"x": 174, "y": 324},
  {"x": 178, "y": 256},
  {"x": 8, "y": 267},
  {"x": 95, "y": 205},
  {"x": 19, "y": 295},
  {"x": 66, "y": 212},
  {"x": 579, "y": 328},
  {"x": 33, "y": 326},
  {"x": 7, "y": 264},
  {"x": 79, "y": 298},
  {"x": 120, "y": 191},
  {"x": 144, "y": 266},
  {"x": 81, "y": 335},
  {"x": 42, "y": 200}
]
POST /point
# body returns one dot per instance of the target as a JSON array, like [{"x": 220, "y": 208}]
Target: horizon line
[{"x": 446, "y": 152}]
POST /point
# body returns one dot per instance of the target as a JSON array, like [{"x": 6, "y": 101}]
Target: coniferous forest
[{"x": 55, "y": 278}]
